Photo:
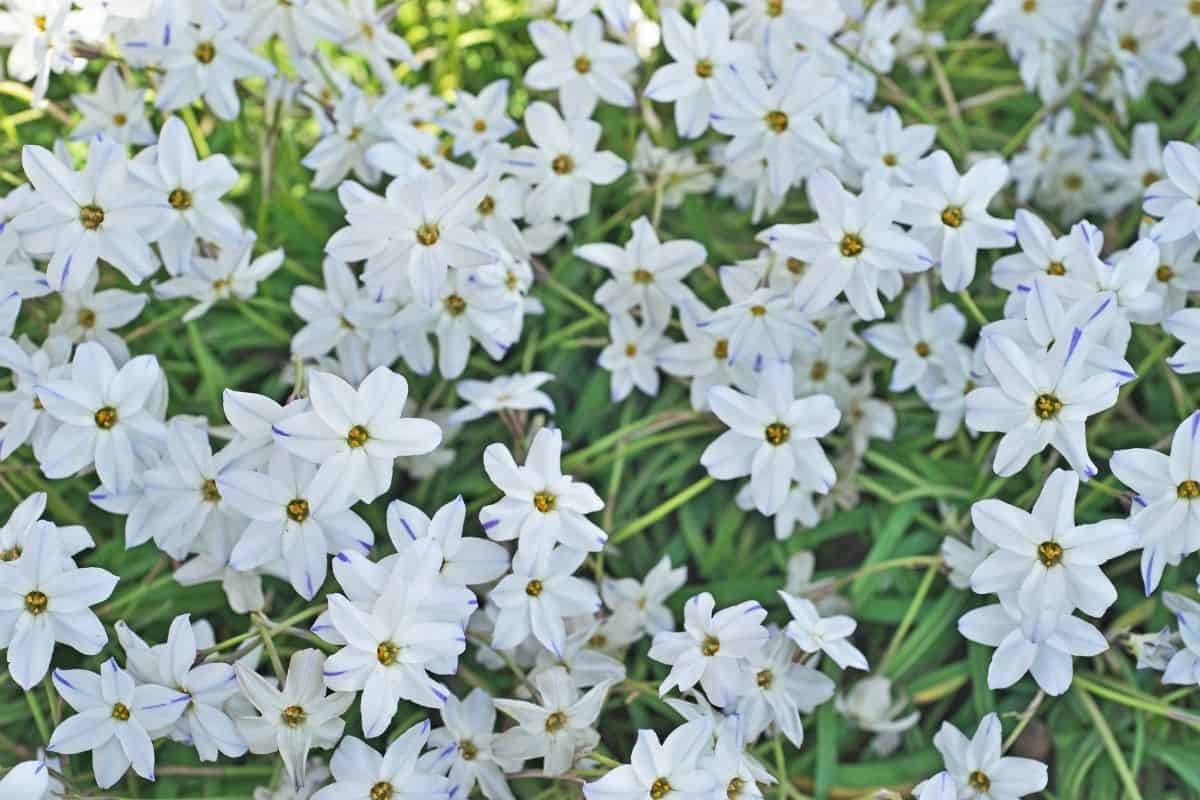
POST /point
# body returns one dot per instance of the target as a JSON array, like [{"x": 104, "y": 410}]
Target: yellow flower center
[
  {"x": 454, "y": 304},
  {"x": 796, "y": 266},
  {"x": 660, "y": 788},
  {"x": 710, "y": 646},
  {"x": 544, "y": 501},
  {"x": 704, "y": 68},
  {"x": 11, "y": 554},
  {"x": 293, "y": 716},
  {"x": 630, "y": 350},
  {"x": 1056, "y": 268},
  {"x": 851, "y": 245},
  {"x": 357, "y": 436},
  {"x": 479, "y": 125},
  {"x": 758, "y": 311},
  {"x": 468, "y": 750},
  {"x": 922, "y": 349},
  {"x": 556, "y": 722},
  {"x": 1073, "y": 181},
  {"x": 1047, "y": 406},
  {"x": 386, "y": 653},
  {"x": 562, "y": 165},
  {"x": 106, "y": 418},
  {"x": 1164, "y": 273},
  {"x": 774, "y": 8},
  {"x": 120, "y": 712},
  {"x": 818, "y": 370},
  {"x": 39, "y": 22},
  {"x": 297, "y": 510},
  {"x": 1188, "y": 490},
  {"x": 205, "y": 52},
  {"x": 533, "y": 588},
  {"x": 381, "y": 791},
  {"x": 180, "y": 200},
  {"x": 952, "y": 216},
  {"x": 209, "y": 491},
  {"x": 764, "y": 679},
  {"x": 486, "y": 206},
  {"x": 777, "y": 121},
  {"x": 120, "y": 119},
  {"x": 978, "y": 780},
  {"x": 583, "y": 65},
  {"x": 889, "y": 159},
  {"x": 777, "y": 433},
  {"x": 1153, "y": 177},
  {"x": 91, "y": 217},
  {"x": 428, "y": 234},
  {"x": 721, "y": 349},
  {"x": 1050, "y": 553},
  {"x": 734, "y": 789},
  {"x": 87, "y": 318},
  {"x": 1130, "y": 44},
  {"x": 35, "y": 602}
]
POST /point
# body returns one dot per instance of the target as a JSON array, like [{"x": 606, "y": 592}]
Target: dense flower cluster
[{"x": 452, "y": 211}]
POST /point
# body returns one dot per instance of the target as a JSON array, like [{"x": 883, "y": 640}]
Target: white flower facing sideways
[
  {"x": 1040, "y": 402},
  {"x": 361, "y": 773},
  {"x": 356, "y": 435},
  {"x": 1050, "y": 563},
  {"x": 854, "y": 247},
  {"x": 296, "y": 718},
  {"x": 44, "y": 599},
  {"x": 948, "y": 212},
  {"x": 541, "y": 506},
  {"x": 115, "y": 719},
  {"x": 204, "y": 724},
  {"x": 643, "y": 603},
  {"x": 829, "y": 635},
  {"x": 773, "y": 438},
  {"x": 103, "y": 412},
  {"x": 979, "y": 769},
  {"x": 669, "y": 769},
  {"x": 516, "y": 392},
  {"x": 557, "y": 729},
  {"x": 1166, "y": 508},
  {"x": 712, "y": 648}
]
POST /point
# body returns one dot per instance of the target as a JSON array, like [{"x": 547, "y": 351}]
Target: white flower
[
  {"x": 234, "y": 273},
  {"x": 1052, "y": 564},
  {"x": 371, "y": 36},
  {"x": 204, "y": 723},
  {"x": 295, "y": 719},
  {"x": 115, "y": 110},
  {"x": 90, "y": 316},
  {"x": 853, "y": 248},
  {"x": 1183, "y": 666},
  {"x": 948, "y": 212},
  {"x": 1048, "y": 658},
  {"x": 632, "y": 355},
  {"x": 103, "y": 412},
  {"x": 114, "y": 720},
  {"x": 357, "y": 126},
  {"x": 468, "y": 738},
  {"x": 29, "y": 780},
  {"x": 700, "y": 53},
  {"x": 300, "y": 25},
  {"x": 540, "y": 592},
  {"x": 704, "y": 357},
  {"x": 519, "y": 391},
  {"x": 1166, "y": 508},
  {"x": 472, "y": 306},
  {"x": 777, "y": 123},
  {"x": 357, "y": 434},
  {"x": 643, "y": 603},
  {"x": 391, "y": 646},
  {"x": 24, "y": 415},
  {"x": 712, "y": 649},
  {"x": 295, "y": 520},
  {"x": 204, "y": 59},
  {"x": 646, "y": 273},
  {"x": 478, "y": 121},
  {"x": 466, "y": 560},
  {"x": 670, "y": 769},
  {"x": 1057, "y": 261},
  {"x": 361, "y": 773},
  {"x": 962, "y": 557},
  {"x": 869, "y": 705},
  {"x": 890, "y": 150},
  {"x": 939, "y": 787},
  {"x": 25, "y": 524},
  {"x": 580, "y": 65},
  {"x": 782, "y": 689},
  {"x": 541, "y": 506},
  {"x": 191, "y": 189},
  {"x": 760, "y": 325},
  {"x": 88, "y": 216},
  {"x": 44, "y": 599},
  {"x": 918, "y": 338},
  {"x": 563, "y": 164},
  {"x": 329, "y": 315},
  {"x": 1040, "y": 402},
  {"x": 980, "y": 770},
  {"x": 773, "y": 438},
  {"x": 1175, "y": 199},
  {"x": 559, "y": 728},
  {"x": 830, "y": 635}
]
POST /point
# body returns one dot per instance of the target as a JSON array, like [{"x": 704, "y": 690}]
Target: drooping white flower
[
  {"x": 114, "y": 719},
  {"x": 357, "y": 434},
  {"x": 296, "y": 718},
  {"x": 556, "y": 730},
  {"x": 712, "y": 649},
  {"x": 871, "y": 706},
  {"x": 541, "y": 506},
  {"x": 830, "y": 635},
  {"x": 773, "y": 438}
]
